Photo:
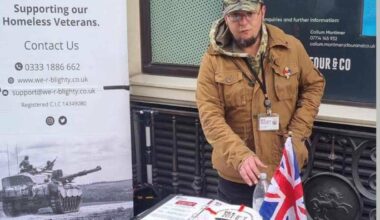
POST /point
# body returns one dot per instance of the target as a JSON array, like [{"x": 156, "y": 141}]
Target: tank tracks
[
  {"x": 9, "y": 209},
  {"x": 62, "y": 205},
  {"x": 58, "y": 204}
]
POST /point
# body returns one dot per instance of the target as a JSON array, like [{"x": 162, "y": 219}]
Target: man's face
[{"x": 245, "y": 26}]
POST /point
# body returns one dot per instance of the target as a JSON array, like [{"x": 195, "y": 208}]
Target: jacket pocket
[
  {"x": 286, "y": 82},
  {"x": 232, "y": 88}
]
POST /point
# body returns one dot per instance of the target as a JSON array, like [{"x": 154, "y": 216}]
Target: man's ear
[
  {"x": 263, "y": 10},
  {"x": 225, "y": 19}
]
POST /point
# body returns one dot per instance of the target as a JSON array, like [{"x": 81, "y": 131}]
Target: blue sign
[
  {"x": 369, "y": 18},
  {"x": 339, "y": 36}
]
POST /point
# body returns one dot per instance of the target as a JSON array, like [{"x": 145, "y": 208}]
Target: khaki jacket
[{"x": 228, "y": 106}]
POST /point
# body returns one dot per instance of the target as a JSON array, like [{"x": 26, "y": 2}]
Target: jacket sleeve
[
  {"x": 227, "y": 145},
  {"x": 311, "y": 88}
]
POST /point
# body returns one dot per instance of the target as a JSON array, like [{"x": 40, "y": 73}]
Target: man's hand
[{"x": 250, "y": 169}]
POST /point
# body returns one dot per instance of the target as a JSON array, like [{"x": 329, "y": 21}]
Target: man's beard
[{"x": 244, "y": 43}]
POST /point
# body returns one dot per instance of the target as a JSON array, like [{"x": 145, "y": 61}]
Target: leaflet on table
[
  {"x": 220, "y": 210},
  {"x": 195, "y": 208},
  {"x": 179, "y": 208}
]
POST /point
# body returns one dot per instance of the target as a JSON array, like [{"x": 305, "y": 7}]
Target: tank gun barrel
[{"x": 69, "y": 178}]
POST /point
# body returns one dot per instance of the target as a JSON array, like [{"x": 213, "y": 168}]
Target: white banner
[
  {"x": 65, "y": 150},
  {"x": 82, "y": 40}
]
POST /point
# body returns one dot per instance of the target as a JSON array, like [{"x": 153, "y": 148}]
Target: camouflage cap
[{"x": 237, "y": 5}]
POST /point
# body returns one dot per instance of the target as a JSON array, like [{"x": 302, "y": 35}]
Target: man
[
  {"x": 256, "y": 86},
  {"x": 49, "y": 165},
  {"x": 25, "y": 165}
]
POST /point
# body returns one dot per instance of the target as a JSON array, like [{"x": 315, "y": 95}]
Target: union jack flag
[{"x": 284, "y": 199}]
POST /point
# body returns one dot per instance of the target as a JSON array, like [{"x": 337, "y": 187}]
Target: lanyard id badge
[{"x": 269, "y": 122}]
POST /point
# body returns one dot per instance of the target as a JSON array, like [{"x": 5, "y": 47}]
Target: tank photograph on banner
[{"x": 74, "y": 183}]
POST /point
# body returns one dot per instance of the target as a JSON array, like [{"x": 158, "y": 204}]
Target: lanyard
[{"x": 263, "y": 87}]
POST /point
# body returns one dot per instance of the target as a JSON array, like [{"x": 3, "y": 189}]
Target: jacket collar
[{"x": 277, "y": 37}]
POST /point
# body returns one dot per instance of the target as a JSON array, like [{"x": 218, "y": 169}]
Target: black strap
[
  {"x": 263, "y": 86},
  {"x": 267, "y": 102}
]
